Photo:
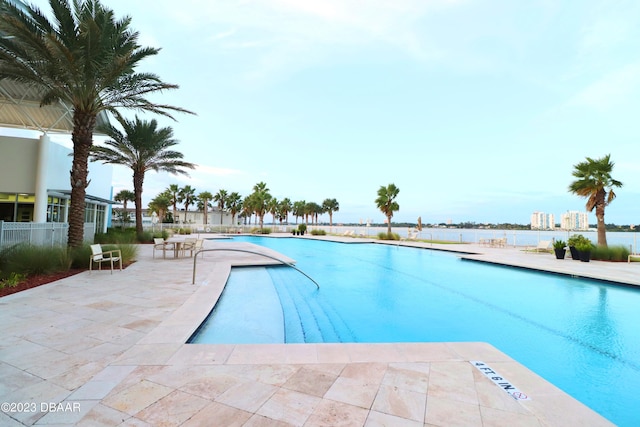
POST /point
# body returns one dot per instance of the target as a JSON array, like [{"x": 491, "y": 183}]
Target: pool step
[{"x": 307, "y": 319}]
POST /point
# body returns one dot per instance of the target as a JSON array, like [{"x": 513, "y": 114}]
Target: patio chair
[
  {"x": 161, "y": 244},
  {"x": 189, "y": 244},
  {"x": 99, "y": 256}
]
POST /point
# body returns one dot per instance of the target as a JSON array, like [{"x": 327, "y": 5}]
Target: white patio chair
[{"x": 99, "y": 256}]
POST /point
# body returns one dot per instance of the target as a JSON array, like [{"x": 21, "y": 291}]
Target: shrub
[
  {"x": 12, "y": 280},
  {"x": 388, "y": 236},
  {"x": 33, "y": 260},
  {"x": 318, "y": 232},
  {"x": 611, "y": 253},
  {"x": 265, "y": 230},
  {"x": 117, "y": 235},
  {"x": 302, "y": 227},
  {"x": 578, "y": 239}
]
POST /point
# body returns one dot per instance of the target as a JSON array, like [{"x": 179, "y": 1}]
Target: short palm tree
[
  {"x": 273, "y": 207},
  {"x": 298, "y": 209},
  {"x": 283, "y": 210},
  {"x": 204, "y": 198},
  {"x": 142, "y": 147},
  {"x": 330, "y": 206},
  {"x": 596, "y": 184},
  {"x": 187, "y": 196},
  {"x": 160, "y": 204},
  {"x": 221, "y": 197},
  {"x": 85, "y": 58},
  {"x": 386, "y": 202}
]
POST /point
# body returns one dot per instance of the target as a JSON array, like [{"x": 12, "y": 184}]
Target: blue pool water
[{"x": 583, "y": 336}]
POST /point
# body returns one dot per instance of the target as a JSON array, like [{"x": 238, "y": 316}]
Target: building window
[
  {"x": 101, "y": 217},
  {"x": 57, "y": 209}
]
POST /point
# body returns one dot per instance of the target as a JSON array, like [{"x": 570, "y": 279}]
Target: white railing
[{"x": 40, "y": 233}]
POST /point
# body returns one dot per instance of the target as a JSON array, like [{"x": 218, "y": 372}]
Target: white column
[{"x": 40, "y": 207}]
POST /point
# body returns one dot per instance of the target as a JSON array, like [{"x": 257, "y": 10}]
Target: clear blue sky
[{"x": 476, "y": 110}]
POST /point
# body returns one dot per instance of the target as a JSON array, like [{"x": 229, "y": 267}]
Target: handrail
[{"x": 195, "y": 258}]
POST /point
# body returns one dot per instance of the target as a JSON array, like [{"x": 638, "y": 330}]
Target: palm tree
[
  {"x": 173, "y": 191},
  {"x": 386, "y": 202},
  {"x": 247, "y": 209},
  {"x": 260, "y": 200},
  {"x": 221, "y": 197},
  {"x": 187, "y": 195},
  {"x": 204, "y": 198},
  {"x": 298, "y": 209},
  {"x": 142, "y": 147},
  {"x": 125, "y": 196},
  {"x": 283, "y": 210},
  {"x": 85, "y": 58},
  {"x": 272, "y": 208},
  {"x": 234, "y": 203},
  {"x": 160, "y": 204},
  {"x": 330, "y": 206},
  {"x": 595, "y": 183}
]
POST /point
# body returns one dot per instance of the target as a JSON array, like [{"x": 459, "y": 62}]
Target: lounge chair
[
  {"x": 631, "y": 256},
  {"x": 161, "y": 245},
  {"x": 100, "y": 256},
  {"x": 543, "y": 246}
]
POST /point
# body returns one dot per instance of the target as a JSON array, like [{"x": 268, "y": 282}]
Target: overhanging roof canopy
[{"x": 20, "y": 108}]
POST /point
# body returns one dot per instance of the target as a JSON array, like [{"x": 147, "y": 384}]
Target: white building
[
  {"x": 542, "y": 221},
  {"x": 34, "y": 171},
  {"x": 574, "y": 220}
]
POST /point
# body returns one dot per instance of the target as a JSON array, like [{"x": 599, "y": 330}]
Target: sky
[{"x": 476, "y": 110}]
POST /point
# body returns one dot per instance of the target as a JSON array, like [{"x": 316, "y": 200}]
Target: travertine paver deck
[{"x": 105, "y": 349}]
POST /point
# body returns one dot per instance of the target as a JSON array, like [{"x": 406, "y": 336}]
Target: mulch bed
[{"x": 38, "y": 280}]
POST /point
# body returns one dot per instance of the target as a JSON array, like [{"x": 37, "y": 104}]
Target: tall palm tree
[
  {"x": 596, "y": 184},
  {"x": 260, "y": 200},
  {"x": 386, "y": 202},
  {"x": 85, "y": 58},
  {"x": 330, "y": 206},
  {"x": 221, "y": 197},
  {"x": 234, "y": 203},
  {"x": 173, "y": 191},
  {"x": 125, "y": 196},
  {"x": 142, "y": 147},
  {"x": 204, "y": 197},
  {"x": 187, "y": 196}
]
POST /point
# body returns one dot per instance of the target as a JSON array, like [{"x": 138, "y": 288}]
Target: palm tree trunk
[
  {"x": 602, "y": 230},
  {"x": 83, "y": 125},
  {"x": 388, "y": 225},
  {"x": 138, "y": 180}
]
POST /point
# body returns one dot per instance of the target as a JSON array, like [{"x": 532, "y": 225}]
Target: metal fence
[{"x": 40, "y": 233}]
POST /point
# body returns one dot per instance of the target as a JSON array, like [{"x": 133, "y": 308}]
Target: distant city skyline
[{"x": 330, "y": 99}]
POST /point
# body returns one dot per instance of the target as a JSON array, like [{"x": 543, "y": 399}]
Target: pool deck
[{"x": 101, "y": 349}]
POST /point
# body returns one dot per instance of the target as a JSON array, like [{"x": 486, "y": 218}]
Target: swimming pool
[{"x": 581, "y": 335}]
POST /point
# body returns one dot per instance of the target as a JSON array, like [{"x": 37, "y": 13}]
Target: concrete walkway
[{"x": 105, "y": 349}]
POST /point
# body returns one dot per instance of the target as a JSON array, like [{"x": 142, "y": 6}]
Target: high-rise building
[
  {"x": 574, "y": 220},
  {"x": 542, "y": 221}
]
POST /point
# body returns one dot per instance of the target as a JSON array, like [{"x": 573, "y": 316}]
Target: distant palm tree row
[{"x": 259, "y": 203}]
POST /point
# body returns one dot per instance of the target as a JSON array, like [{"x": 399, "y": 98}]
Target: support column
[{"x": 40, "y": 207}]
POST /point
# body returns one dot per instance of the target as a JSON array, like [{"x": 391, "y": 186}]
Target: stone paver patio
[{"x": 105, "y": 349}]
